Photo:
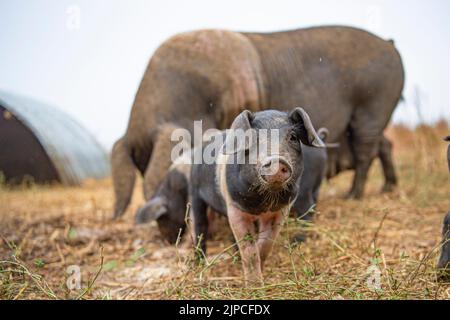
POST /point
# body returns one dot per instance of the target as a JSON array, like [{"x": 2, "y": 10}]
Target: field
[{"x": 383, "y": 247}]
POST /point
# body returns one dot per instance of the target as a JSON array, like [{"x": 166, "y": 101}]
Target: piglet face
[
  {"x": 263, "y": 170},
  {"x": 167, "y": 207}
]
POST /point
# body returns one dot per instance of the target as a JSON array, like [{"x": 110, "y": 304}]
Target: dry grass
[{"x": 46, "y": 229}]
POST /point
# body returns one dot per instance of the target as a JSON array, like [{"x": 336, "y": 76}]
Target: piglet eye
[{"x": 293, "y": 137}]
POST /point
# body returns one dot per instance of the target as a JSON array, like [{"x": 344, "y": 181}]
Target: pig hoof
[
  {"x": 388, "y": 187},
  {"x": 254, "y": 283},
  {"x": 299, "y": 238},
  {"x": 443, "y": 274},
  {"x": 199, "y": 257},
  {"x": 115, "y": 216},
  {"x": 353, "y": 195},
  {"x": 349, "y": 196}
]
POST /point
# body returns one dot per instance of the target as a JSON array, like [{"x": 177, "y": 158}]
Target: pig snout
[{"x": 276, "y": 170}]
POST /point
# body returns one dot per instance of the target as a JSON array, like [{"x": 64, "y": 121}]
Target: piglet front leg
[
  {"x": 269, "y": 227},
  {"x": 244, "y": 229}
]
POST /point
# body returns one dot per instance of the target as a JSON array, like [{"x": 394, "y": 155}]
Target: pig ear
[
  {"x": 240, "y": 125},
  {"x": 308, "y": 135},
  {"x": 243, "y": 120},
  {"x": 152, "y": 210}
]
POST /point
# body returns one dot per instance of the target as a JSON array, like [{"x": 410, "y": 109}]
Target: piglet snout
[{"x": 276, "y": 170}]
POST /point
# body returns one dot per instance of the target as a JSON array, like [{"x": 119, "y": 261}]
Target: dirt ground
[{"x": 383, "y": 247}]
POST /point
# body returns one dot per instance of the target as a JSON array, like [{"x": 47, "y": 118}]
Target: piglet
[{"x": 254, "y": 183}]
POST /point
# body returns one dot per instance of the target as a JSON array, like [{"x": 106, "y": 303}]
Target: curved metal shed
[{"x": 74, "y": 153}]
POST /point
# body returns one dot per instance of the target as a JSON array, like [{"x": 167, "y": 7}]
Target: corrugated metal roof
[{"x": 74, "y": 152}]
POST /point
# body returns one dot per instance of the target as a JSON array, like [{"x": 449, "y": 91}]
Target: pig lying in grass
[{"x": 255, "y": 195}]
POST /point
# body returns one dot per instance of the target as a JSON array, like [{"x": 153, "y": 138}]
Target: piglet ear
[
  {"x": 308, "y": 134},
  {"x": 243, "y": 121},
  {"x": 152, "y": 210},
  {"x": 241, "y": 135}
]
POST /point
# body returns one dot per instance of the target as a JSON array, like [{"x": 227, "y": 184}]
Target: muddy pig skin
[{"x": 255, "y": 195}]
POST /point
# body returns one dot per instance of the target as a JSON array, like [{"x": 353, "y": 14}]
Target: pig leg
[
  {"x": 244, "y": 229},
  {"x": 160, "y": 161},
  {"x": 212, "y": 222},
  {"x": 385, "y": 154},
  {"x": 365, "y": 135},
  {"x": 269, "y": 228},
  {"x": 444, "y": 259},
  {"x": 363, "y": 162},
  {"x": 200, "y": 217},
  {"x": 123, "y": 176},
  {"x": 302, "y": 207}
]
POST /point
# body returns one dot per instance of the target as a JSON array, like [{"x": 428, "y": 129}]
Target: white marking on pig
[{"x": 221, "y": 184}]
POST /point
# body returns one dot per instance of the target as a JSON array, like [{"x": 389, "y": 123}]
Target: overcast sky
[{"x": 88, "y": 57}]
